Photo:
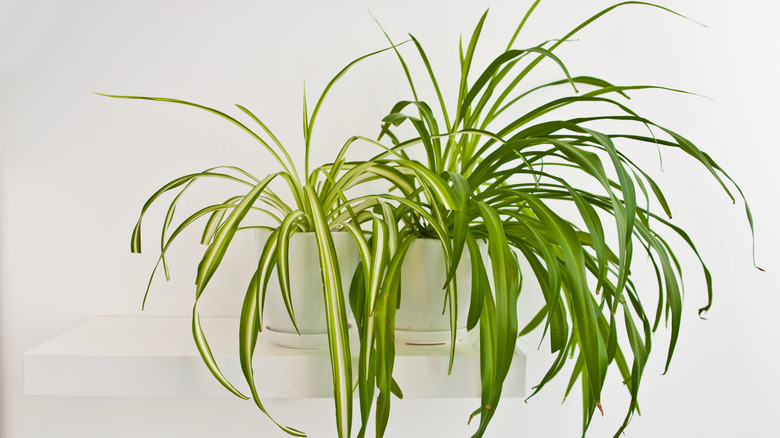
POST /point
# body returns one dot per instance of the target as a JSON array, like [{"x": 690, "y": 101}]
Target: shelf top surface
[{"x": 172, "y": 336}]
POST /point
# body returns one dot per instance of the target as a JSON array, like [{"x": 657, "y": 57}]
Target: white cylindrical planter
[
  {"x": 306, "y": 290},
  {"x": 419, "y": 319}
]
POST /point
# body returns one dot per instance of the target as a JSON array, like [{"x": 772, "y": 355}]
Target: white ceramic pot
[
  {"x": 305, "y": 290},
  {"x": 419, "y": 319}
]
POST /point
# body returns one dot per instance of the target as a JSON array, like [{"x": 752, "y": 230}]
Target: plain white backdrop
[{"x": 75, "y": 169}]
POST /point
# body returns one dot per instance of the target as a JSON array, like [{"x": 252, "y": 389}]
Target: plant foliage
[
  {"x": 513, "y": 165},
  {"x": 541, "y": 187}
]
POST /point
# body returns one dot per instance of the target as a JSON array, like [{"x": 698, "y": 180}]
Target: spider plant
[
  {"x": 320, "y": 205},
  {"x": 499, "y": 167}
]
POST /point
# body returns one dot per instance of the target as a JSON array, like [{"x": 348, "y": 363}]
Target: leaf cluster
[
  {"x": 502, "y": 167},
  {"x": 540, "y": 188}
]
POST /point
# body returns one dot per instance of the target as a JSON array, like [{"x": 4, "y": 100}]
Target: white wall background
[{"x": 75, "y": 169}]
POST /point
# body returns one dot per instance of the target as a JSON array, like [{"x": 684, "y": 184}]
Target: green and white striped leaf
[{"x": 335, "y": 315}]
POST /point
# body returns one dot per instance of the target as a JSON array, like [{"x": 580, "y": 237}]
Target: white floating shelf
[{"x": 156, "y": 356}]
